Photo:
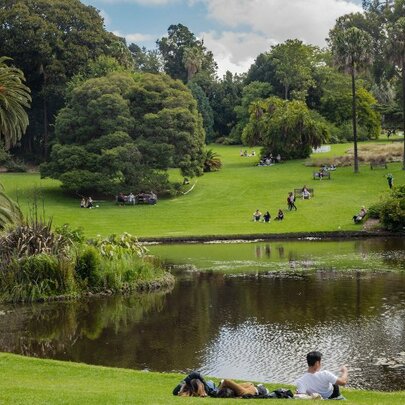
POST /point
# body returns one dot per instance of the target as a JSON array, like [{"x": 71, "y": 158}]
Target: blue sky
[{"x": 236, "y": 31}]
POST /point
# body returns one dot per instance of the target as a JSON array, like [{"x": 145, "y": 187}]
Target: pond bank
[
  {"x": 341, "y": 235},
  {"x": 36, "y": 381}
]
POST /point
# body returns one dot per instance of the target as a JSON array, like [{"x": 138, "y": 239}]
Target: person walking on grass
[
  {"x": 390, "y": 179},
  {"x": 317, "y": 381},
  {"x": 291, "y": 201}
]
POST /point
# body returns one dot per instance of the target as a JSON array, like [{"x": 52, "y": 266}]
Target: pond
[{"x": 240, "y": 310}]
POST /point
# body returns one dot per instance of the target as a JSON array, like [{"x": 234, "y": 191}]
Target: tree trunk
[
  {"x": 403, "y": 110},
  {"x": 45, "y": 139},
  {"x": 354, "y": 118}
]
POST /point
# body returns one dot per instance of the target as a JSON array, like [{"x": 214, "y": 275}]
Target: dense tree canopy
[
  {"x": 50, "y": 41},
  {"x": 122, "y": 131},
  {"x": 183, "y": 54},
  {"x": 284, "y": 127}
]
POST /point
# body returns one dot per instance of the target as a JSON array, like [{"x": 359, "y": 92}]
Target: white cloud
[
  {"x": 308, "y": 20},
  {"x": 235, "y": 51},
  {"x": 266, "y": 23},
  {"x": 136, "y": 37}
]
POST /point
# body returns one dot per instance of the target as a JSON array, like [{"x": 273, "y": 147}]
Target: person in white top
[{"x": 320, "y": 381}]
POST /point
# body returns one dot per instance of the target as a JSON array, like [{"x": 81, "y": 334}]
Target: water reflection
[{"x": 257, "y": 327}]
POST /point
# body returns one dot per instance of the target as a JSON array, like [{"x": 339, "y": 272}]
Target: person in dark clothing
[
  {"x": 291, "y": 201},
  {"x": 280, "y": 215},
  {"x": 267, "y": 216}
]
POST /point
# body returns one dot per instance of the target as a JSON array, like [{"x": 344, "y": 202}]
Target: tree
[
  {"x": 336, "y": 103},
  {"x": 293, "y": 62},
  {"x": 123, "y": 131},
  {"x": 212, "y": 161},
  {"x": 14, "y": 99},
  {"x": 148, "y": 61},
  {"x": 173, "y": 48},
  {"x": 284, "y": 127},
  {"x": 396, "y": 53},
  {"x": 253, "y": 92},
  {"x": 51, "y": 41},
  {"x": 204, "y": 108},
  {"x": 351, "y": 51}
]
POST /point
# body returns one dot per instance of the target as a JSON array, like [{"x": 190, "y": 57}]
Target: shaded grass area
[
  {"x": 222, "y": 203},
  {"x": 33, "y": 381}
]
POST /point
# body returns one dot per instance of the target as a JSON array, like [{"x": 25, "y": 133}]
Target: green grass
[
  {"x": 222, "y": 203},
  {"x": 32, "y": 381}
]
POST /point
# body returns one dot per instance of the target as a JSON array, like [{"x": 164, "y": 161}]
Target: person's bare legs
[{"x": 239, "y": 389}]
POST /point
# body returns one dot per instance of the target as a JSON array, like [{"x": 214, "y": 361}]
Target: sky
[{"x": 236, "y": 31}]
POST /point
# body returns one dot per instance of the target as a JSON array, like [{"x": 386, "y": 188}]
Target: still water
[{"x": 247, "y": 311}]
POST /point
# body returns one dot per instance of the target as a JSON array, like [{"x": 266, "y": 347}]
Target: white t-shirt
[{"x": 319, "y": 382}]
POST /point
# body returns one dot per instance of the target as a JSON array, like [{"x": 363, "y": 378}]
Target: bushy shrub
[
  {"x": 87, "y": 267},
  {"x": 391, "y": 210}
]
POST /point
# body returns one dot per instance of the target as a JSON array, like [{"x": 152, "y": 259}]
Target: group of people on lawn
[
  {"x": 86, "y": 202},
  {"x": 257, "y": 215},
  {"x": 314, "y": 384}
]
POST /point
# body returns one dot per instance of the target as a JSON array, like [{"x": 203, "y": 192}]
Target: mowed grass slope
[
  {"x": 222, "y": 203},
  {"x": 33, "y": 381}
]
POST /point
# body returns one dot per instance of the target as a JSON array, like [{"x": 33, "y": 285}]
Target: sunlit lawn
[
  {"x": 222, "y": 203},
  {"x": 34, "y": 381}
]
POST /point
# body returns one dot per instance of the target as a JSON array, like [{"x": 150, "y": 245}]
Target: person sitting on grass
[
  {"x": 306, "y": 195},
  {"x": 323, "y": 382},
  {"x": 257, "y": 215},
  {"x": 360, "y": 216},
  {"x": 83, "y": 203},
  {"x": 280, "y": 215},
  {"x": 267, "y": 217},
  {"x": 90, "y": 203}
]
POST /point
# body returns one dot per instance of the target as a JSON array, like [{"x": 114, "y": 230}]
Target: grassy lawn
[
  {"x": 222, "y": 203},
  {"x": 33, "y": 381}
]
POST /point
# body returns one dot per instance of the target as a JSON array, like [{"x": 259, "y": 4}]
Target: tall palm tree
[
  {"x": 14, "y": 98},
  {"x": 192, "y": 59},
  {"x": 396, "y": 53},
  {"x": 351, "y": 48}
]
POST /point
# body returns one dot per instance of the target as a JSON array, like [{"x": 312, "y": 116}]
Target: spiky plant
[{"x": 212, "y": 162}]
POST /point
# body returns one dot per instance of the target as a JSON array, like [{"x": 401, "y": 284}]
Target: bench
[
  {"x": 378, "y": 164},
  {"x": 325, "y": 175},
  {"x": 145, "y": 198},
  {"x": 298, "y": 192}
]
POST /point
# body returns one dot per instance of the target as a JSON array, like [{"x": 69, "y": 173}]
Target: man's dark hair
[{"x": 313, "y": 357}]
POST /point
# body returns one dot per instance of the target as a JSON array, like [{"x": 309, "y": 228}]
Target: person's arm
[{"x": 342, "y": 380}]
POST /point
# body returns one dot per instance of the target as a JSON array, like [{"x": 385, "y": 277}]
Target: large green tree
[
  {"x": 294, "y": 63},
  {"x": 123, "y": 131},
  {"x": 50, "y": 41},
  {"x": 284, "y": 127},
  {"x": 15, "y": 98},
  {"x": 183, "y": 54},
  {"x": 351, "y": 48}
]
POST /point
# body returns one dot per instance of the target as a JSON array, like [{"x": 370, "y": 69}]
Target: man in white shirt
[{"x": 320, "y": 381}]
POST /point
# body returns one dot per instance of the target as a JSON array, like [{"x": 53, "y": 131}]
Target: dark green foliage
[
  {"x": 172, "y": 49},
  {"x": 212, "y": 162},
  {"x": 87, "y": 266},
  {"x": 283, "y": 127},
  {"x": 51, "y": 41},
  {"x": 391, "y": 210},
  {"x": 204, "y": 109},
  {"x": 123, "y": 131}
]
